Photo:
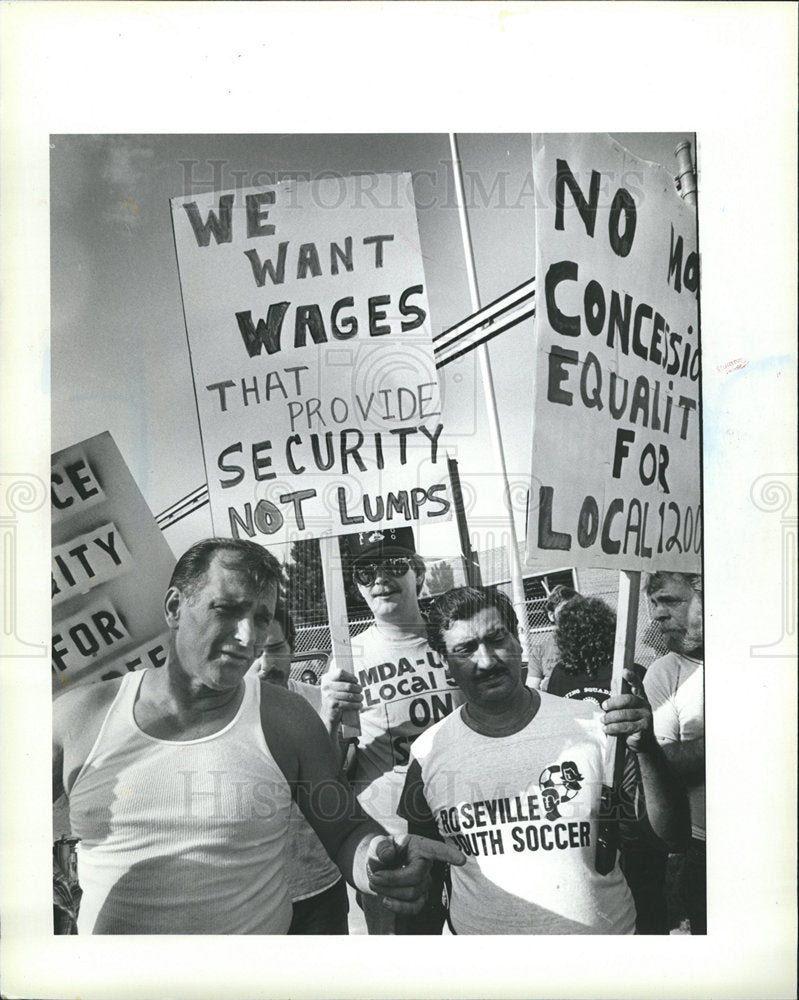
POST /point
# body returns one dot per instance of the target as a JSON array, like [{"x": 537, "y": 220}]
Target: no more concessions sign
[{"x": 615, "y": 465}]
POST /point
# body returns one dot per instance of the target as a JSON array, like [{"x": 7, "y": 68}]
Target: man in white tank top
[
  {"x": 180, "y": 778},
  {"x": 514, "y": 779}
]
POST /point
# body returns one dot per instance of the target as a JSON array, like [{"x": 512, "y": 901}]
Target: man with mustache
[
  {"x": 674, "y": 685},
  {"x": 400, "y": 687},
  {"x": 180, "y": 778},
  {"x": 514, "y": 779}
]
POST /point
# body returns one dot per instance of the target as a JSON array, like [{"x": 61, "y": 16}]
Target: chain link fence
[{"x": 312, "y": 649}]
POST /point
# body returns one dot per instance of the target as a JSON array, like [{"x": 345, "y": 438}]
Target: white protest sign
[
  {"x": 110, "y": 568},
  {"x": 82, "y": 639},
  {"x": 310, "y": 341},
  {"x": 616, "y": 433},
  {"x": 88, "y": 560}
]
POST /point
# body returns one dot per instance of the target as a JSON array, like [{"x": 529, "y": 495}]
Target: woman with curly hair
[{"x": 585, "y": 634}]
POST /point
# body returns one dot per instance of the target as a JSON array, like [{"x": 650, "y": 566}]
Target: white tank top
[{"x": 181, "y": 837}]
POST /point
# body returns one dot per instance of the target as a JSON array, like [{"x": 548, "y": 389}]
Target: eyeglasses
[{"x": 366, "y": 573}]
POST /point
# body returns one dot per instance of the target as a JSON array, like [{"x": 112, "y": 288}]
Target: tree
[{"x": 306, "y": 590}]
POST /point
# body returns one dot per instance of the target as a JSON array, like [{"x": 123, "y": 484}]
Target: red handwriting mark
[{"x": 733, "y": 366}]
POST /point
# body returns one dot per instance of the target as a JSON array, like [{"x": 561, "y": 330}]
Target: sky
[{"x": 119, "y": 357}]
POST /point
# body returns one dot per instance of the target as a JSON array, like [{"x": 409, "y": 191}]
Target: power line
[{"x": 498, "y": 316}]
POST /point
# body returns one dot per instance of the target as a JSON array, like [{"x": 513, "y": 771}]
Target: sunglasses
[{"x": 366, "y": 573}]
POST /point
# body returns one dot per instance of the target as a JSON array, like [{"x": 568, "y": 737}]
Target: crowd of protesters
[{"x": 218, "y": 795}]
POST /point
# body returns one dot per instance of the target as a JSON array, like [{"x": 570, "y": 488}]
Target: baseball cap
[{"x": 376, "y": 544}]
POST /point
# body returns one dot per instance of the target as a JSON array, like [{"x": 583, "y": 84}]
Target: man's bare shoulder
[
  {"x": 76, "y": 709},
  {"x": 77, "y": 719},
  {"x": 293, "y": 731},
  {"x": 287, "y": 710}
]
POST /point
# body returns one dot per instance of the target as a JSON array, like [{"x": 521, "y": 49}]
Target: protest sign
[
  {"x": 309, "y": 334},
  {"x": 616, "y": 432},
  {"x": 110, "y": 568}
]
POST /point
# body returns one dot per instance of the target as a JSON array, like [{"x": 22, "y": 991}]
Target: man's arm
[
  {"x": 687, "y": 759},
  {"x": 664, "y": 799},
  {"x": 415, "y": 810},
  {"x": 77, "y": 718},
  {"x": 58, "y": 766},
  {"x": 630, "y": 717},
  {"x": 367, "y": 856}
]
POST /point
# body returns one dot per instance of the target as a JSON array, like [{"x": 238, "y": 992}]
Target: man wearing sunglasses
[{"x": 399, "y": 685}]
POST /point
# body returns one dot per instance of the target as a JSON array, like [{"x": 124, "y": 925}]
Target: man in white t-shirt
[
  {"x": 514, "y": 779},
  {"x": 674, "y": 685},
  {"x": 399, "y": 685}
]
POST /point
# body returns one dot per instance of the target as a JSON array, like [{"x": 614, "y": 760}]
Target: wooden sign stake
[
  {"x": 623, "y": 655},
  {"x": 335, "y": 598}
]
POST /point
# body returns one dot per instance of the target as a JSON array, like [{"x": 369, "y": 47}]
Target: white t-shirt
[
  {"x": 405, "y": 691},
  {"x": 523, "y": 808},
  {"x": 674, "y": 685}
]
